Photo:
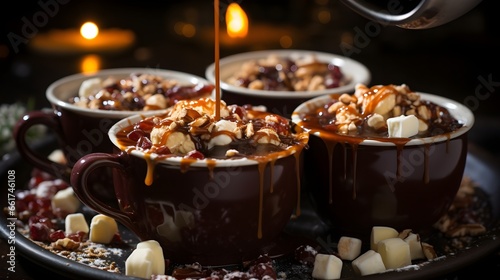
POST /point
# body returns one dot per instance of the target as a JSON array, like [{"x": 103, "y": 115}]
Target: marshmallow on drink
[{"x": 402, "y": 126}]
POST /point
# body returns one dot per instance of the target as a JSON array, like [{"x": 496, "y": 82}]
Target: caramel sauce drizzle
[
  {"x": 150, "y": 170},
  {"x": 127, "y": 145},
  {"x": 375, "y": 96},
  {"x": 217, "y": 70}
]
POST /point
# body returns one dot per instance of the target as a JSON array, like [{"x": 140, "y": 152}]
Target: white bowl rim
[
  {"x": 358, "y": 73},
  {"x": 459, "y": 111},
  {"x": 54, "y": 100},
  {"x": 176, "y": 160}
]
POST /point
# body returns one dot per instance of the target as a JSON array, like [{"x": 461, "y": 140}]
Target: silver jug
[{"x": 412, "y": 14}]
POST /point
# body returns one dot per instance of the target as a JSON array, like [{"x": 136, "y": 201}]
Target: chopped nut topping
[
  {"x": 429, "y": 251},
  {"x": 288, "y": 74},
  {"x": 137, "y": 92},
  {"x": 367, "y": 111},
  {"x": 66, "y": 244}
]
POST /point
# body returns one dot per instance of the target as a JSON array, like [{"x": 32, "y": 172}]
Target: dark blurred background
[{"x": 457, "y": 60}]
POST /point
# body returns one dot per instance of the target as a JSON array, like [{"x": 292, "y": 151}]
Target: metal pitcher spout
[{"x": 412, "y": 14}]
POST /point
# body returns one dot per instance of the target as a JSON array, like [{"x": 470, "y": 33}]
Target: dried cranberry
[
  {"x": 60, "y": 184},
  {"x": 145, "y": 125},
  {"x": 163, "y": 150},
  {"x": 195, "y": 154},
  {"x": 46, "y": 213},
  {"x": 144, "y": 143},
  {"x": 59, "y": 213},
  {"x": 335, "y": 71},
  {"x": 262, "y": 270},
  {"x": 37, "y": 176},
  {"x": 117, "y": 239},
  {"x": 25, "y": 196},
  {"x": 39, "y": 232},
  {"x": 135, "y": 135},
  {"x": 305, "y": 254},
  {"x": 41, "y": 220},
  {"x": 79, "y": 236},
  {"x": 46, "y": 189},
  {"x": 56, "y": 235}
]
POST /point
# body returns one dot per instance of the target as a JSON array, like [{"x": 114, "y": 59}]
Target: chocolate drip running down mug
[
  {"x": 211, "y": 211},
  {"x": 405, "y": 183}
]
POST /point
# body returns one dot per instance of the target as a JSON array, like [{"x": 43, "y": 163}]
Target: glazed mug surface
[{"x": 215, "y": 212}]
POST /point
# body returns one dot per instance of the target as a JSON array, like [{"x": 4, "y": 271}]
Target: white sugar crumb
[
  {"x": 309, "y": 248},
  {"x": 162, "y": 277},
  {"x": 116, "y": 251},
  {"x": 90, "y": 254},
  {"x": 408, "y": 268}
]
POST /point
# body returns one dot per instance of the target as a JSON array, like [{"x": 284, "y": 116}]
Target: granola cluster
[
  {"x": 137, "y": 92},
  {"x": 455, "y": 223},
  {"x": 191, "y": 128},
  {"x": 366, "y": 112}
]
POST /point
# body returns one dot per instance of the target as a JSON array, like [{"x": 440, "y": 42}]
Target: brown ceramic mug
[
  {"x": 79, "y": 130},
  {"x": 358, "y": 184},
  {"x": 215, "y": 212},
  {"x": 283, "y": 102}
]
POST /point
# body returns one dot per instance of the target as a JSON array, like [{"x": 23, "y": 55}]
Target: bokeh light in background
[
  {"x": 89, "y": 30},
  {"x": 90, "y": 63},
  {"x": 236, "y": 21}
]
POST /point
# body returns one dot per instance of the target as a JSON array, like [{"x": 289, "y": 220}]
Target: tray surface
[{"x": 305, "y": 229}]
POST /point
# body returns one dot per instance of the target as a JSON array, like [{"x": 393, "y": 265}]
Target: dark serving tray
[{"x": 480, "y": 167}]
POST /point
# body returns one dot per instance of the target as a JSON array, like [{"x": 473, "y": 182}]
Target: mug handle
[
  {"x": 79, "y": 181},
  {"x": 50, "y": 120}
]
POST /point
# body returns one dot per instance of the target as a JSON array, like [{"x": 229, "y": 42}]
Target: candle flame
[
  {"x": 236, "y": 21},
  {"x": 89, "y": 30}
]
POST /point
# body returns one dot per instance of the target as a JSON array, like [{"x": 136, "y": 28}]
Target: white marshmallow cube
[
  {"x": 102, "y": 229},
  {"x": 380, "y": 233},
  {"x": 402, "y": 126},
  {"x": 140, "y": 263},
  {"x": 368, "y": 263},
  {"x": 66, "y": 200},
  {"x": 57, "y": 156},
  {"x": 90, "y": 87},
  {"x": 76, "y": 222},
  {"x": 395, "y": 252},
  {"x": 146, "y": 260},
  {"x": 327, "y": 267},
  {"x": 349, "y": 248},
  {"x": 416, "y": 251}
]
